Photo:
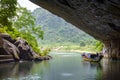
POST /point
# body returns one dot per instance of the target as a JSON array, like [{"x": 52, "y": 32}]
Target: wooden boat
[{"x": 92, "y": 57}]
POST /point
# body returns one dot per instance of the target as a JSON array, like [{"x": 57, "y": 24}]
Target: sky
[{"x": 29, "y": 5}]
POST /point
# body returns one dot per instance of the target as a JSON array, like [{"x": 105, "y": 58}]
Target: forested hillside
[{"x": 58, "y": 31}]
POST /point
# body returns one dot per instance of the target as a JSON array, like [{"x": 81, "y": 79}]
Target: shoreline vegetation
[
  {"x": 72, "y": 48},
  {"x": 76, "y": 51}
]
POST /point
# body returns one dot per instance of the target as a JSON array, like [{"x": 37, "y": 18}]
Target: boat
[{"x": 92, "y": 57}]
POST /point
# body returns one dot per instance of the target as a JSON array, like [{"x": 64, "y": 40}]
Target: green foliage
[
  {"x": 18, "y": 22},
  {"x": 24, "y": 18},
  {"x": 12, "y": 31},
  {"x": 25, "y": 23},
  {"x": 57, "y": 31},
  {"x": 82, "y": 43},
  {"x": 45, "y": 52},
  {"x": 32, "y": 41},
  {"x": 7, "y": 11},
  {"x": 99, "y": 46},
  {"x": 2, "y": 30},
  {"x": 28, "y": 37}
]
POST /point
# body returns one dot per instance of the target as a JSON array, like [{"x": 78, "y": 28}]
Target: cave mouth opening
[
  {"x": 61, "y": 35},
  {"x": 104, "y": 27}
]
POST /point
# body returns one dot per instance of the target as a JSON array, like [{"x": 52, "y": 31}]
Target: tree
[
  {"x": 99, "y": 46},
  {"x": 82, "y": 43},
  {"x": 19, "y": 22},
  {"x": 25, "y": 23},
  {"x": 7, "y": 11}
]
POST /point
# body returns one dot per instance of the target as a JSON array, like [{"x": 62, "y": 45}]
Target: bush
[
  {"x": 45, "y": 52},
  {"x": 99, "y": 46}
]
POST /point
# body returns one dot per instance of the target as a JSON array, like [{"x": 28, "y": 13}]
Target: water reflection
[
  {"x": 15, "y": 69},
  {"x": 111, "y": 70},
  {"x": 70, "y": 67},
  {"x": 92, "y": 65},
  {"x": 106, "y": 70},
  {"x": 41, "y": 69},
  {"x": 94, "y": 70}
]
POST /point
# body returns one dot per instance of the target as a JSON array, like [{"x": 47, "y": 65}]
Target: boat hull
[
  {"x": 90, "y": 60},
  {"x": 92, "y": 57}
]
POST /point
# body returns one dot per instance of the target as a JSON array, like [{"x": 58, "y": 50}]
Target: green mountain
[{"x": 58, "y": 31}]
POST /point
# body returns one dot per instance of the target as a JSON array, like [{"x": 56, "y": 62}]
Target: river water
[{"x": 63, "y": 66}]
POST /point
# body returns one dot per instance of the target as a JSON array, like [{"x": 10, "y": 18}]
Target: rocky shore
[{"x": 12, "y": 50}]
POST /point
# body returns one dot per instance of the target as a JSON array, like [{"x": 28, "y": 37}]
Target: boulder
[
  {"x": 15, "y": 50},
  {"x": 26, "y": 52},
  {"x": 40, "y": 58},
  {"x": 9, "y": 49},
  {"x": 7, "y": 37},
  {"x": 1, "y": 42}
]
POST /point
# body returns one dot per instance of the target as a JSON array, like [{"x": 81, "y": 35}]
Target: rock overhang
[{"x": 99, "y": 18}]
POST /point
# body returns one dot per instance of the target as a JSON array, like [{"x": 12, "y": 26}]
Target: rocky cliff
[
  {"x": 99, "y": 18},
  {"x": 16, "y": 50}
]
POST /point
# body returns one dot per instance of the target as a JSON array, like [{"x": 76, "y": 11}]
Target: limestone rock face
[
  {"x": 7, "y": 37},
  {"x": 1, "y": 42},
  {"x": 11, "y": 49},
  {"x": 7, "y": 47},
  {"x": 99, "y": 18},
  {"x": 15, "y": 50},
  {"x": 26, "y": 52}
]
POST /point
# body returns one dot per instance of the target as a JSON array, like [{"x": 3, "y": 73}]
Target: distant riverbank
[
  {"x": 71, "y": 48},
  {"x": 76, "y": 51}
]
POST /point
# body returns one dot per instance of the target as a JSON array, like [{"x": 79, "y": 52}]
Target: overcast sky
[{"x": 29, "y": 5}]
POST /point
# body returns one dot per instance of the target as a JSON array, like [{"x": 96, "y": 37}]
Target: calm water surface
[{"x": 63, "y": 66}]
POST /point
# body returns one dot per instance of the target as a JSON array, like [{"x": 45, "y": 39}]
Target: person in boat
[
  {"x": 94, "y": 55},
  {"x": 86, "y": 55},
  {"x": 90, "y": 55}
]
